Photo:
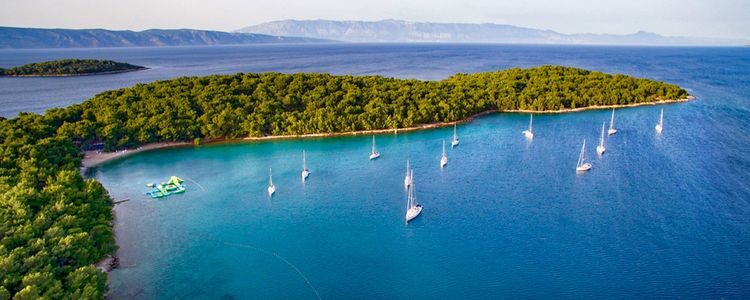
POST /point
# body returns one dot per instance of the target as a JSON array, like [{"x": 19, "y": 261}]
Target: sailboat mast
[
  {"x": 661, "y": 118},
  {"x": 612, "y": 121},
  {"x": 580, "y": 157},
  {"x": 443, "y": 148},
  {"x": 304, "y": 161},
  {"x": 531, "y": 123},
  {"x": 373, "y": 144},
  {"x": 270, "y": 177},
  {"x": 455, "y": 136},
  {"x": 407, "y": 168},
  {"x": 601, "y": 141}
]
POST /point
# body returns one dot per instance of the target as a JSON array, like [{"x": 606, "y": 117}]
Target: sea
[{"x": 658, "y": 215}]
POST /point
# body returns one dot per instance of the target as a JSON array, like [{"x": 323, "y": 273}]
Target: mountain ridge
[
  {"x": 19, "y": 38},
  {"x": 391, "y": 30}
]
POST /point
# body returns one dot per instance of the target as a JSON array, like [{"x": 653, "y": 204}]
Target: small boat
[
  {"x": 600, "y": 149},
  {"x": 454, "y": 143},
  {"x": 529, "y": 133},
  {"x": 374, "y": 153},
  {"x": 271, "y": 187},
  {"x": 612, "y": 129},
  {"x": 413, "y": 209},
  {"x": 305, "y": 171},
  {"x": 660, "y": 126},
  {"x": 443, "y": 159},
  {"x": 407, "y": 178},
  {"x": 582, "y": 165}
]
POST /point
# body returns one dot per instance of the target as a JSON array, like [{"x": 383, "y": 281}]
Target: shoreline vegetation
[
  {"x": 56, "y": 224},
  {"x": 70, "y": 67},
  {"x": 94, "y": 158}
]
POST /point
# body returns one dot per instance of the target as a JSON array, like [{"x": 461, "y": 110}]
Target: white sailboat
[
  {"x": 374, "y": 153},
  {"x": 612, "y": 129},
  {"x": 454, "y": 143},
  {"x": 271, "y": 187},
  {"x": 660, "y": 126},
  {"x": 305, "y": 171},
  {"x": 600, "y": 149},
  {"x": 582, "y": 165},
  {"x": 407, "y": 177},
  {"x": 443, "y": 159},
  {"x": 413, "y": 209},
  {"x": 529, "y": 133}
]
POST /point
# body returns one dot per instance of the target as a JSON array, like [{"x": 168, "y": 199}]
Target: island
[
  {"x": 70, "y": 67},
  {"x": 56, "y": 224}
]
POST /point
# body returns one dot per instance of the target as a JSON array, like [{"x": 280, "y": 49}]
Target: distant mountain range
[
  {"x": 11, "y": 37},
  {"x": 404, "y": 31}
]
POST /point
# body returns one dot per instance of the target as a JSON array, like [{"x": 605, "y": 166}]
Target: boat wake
[{"x": 271, "y": 253}]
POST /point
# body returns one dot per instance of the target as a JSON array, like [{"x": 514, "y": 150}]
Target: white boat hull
[
  {"x": 406, "y": 182},
  {"x": 443, "y": 161},
  {"x": 413, "y": 212},
  {"x": 658, "y": 128},
  {"x": 454, "y": 143},
  {"x": 611, "y": 131},
  {"x": 271, "y": 190},
  {"x": 584, "y": 167},
  {"x": 600, "y": 150},
  {"x": 528, "y": 134},
  {"x": 374, "y": 155},
  {"x": 305, "y": 174}
]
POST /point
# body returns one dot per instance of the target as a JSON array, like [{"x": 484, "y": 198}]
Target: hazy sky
[{"x": 717, "y": 18}]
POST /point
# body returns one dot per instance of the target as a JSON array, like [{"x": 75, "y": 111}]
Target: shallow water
[{"x": 657, "y": 216}]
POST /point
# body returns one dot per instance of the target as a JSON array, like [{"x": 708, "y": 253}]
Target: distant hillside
[
  {"x": 403, "y": 31},
  {"x": 11, "y": 37}
]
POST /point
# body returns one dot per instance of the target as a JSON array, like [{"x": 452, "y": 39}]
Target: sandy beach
[{"x": 94, "y": 158}]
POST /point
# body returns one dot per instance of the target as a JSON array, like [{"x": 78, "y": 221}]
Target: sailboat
[
  {"x": 407, "y": 177},
  {"x": 660, "y": 126},
  {"x": 271, "y": 187},
  {"x": 413, "y": 209},
  {"x": 443, "y": 159},
  {"x": 582, "y": 165},
  {"x": 612, "y": 129},
  {"x": 374, "y": 153},
  {"x": 600, "y": 149},
  {"x": 454, "y": 143},
  {"x": 529, "y": 133},
  {"x": 305, "y": 171}
]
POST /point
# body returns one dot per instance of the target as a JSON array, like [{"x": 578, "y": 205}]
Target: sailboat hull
[
  {"x": 658, "y": 128},
  {"x": 413, "y": 212},
  {"x": 374, "y": 156},
  {"x": 584, "y": 167},
  {"x": 528, "y": 134},
  {"x": 454, "y": 143},
  {"x": 443, "y": 161},
  {"x": 271, "y": 190},
  {"x": 611, "y": 131},
  {"x": 600, "y": 150},
  {"x": 305, "y": 174}
]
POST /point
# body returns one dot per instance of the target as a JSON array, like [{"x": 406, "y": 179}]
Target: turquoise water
[{"x": 657, "y": 216}]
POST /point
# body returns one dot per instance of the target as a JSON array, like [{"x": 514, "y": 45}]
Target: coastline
[
  {"x": 76, "y": 75},
  {"x": 94, "y": 158}
]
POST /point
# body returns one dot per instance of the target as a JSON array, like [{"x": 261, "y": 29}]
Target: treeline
[
  {"x": 69, "y": 67},
  {"x": 241, "y": 105},
  {"x": 54, "y": 224}
]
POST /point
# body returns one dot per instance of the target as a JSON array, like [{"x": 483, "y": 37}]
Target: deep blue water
[{"x": 658, "y": 215}]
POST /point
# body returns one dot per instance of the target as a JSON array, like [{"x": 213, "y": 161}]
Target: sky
[{"x": 707, "y": 18}]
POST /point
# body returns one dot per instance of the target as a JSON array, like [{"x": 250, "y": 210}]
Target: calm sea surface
[{"x": 658, "y": 215}]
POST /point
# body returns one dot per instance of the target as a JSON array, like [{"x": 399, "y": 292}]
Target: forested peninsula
[
  {"x": 54, "y": 224},
  {"x": 70, "y": 67}
]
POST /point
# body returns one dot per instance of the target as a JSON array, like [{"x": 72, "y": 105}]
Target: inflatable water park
[{"x": 171, "y": 187}]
